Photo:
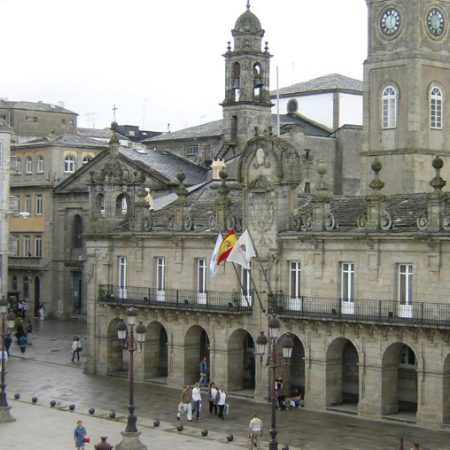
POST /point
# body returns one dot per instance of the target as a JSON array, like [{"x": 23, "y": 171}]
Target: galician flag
[
  {"x": 213, "y": 267},
  {"x": 226, "y": 246},
  {"x": 243, "y": 251}
]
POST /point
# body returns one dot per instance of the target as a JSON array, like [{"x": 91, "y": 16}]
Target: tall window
[
  {"x": 15, "y": 283},
  {"x": 201, "y": 279},
  {"x": 100, "y": 205},
  {"x": 405, "y": 273},
  {"x": 40, "y": 164},
  {"x": 69, "y": 164},
  {"x": 38, "y": 246},
  {"x": 294, "y": 279},
  {"x": 29, "y": 165},
  {"x": 39, "y": 204},
  {"x": 246, "y": 281},
  {"x": 86, "y": 159},
  {"x": 123, "y": 277},
  {"x": 389, "y": 107},
  {"x": 26, "y": 287},
  {"x": 14, "y": 246},
  {"x": 19, "y": 166},
  {"x": 77, "y": 231},
  {"x": 26, "y": 246},
  {"x": 347, "y": 281},
  {"x": 160, "y": 278},
  {"x": 122, "y": 204},
  {"x": 27, "y": 205},
  {"x": 436, "y": 108}
]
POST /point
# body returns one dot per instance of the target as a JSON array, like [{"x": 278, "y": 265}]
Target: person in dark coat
[
  {"x": 8, "y": 343},
  {"x": 23, "y": 343}
]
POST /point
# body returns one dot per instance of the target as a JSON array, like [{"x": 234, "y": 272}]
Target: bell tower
[
  {"x": 406, "y": 82},
  {"x": 247, "y": 83}
]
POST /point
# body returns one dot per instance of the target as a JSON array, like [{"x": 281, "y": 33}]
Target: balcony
[
  {"x": 25, "y": 262},
  {"x": 432, "y": 315},
  {"x": 177, "y": 299}
]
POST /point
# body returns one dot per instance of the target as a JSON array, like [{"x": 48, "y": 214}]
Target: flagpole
[
  {"x": 240, "y": 282},
  {"x": 257, "y": 293},
  {"x": 260, "y": 264}
]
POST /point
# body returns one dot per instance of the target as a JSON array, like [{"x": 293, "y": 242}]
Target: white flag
[
  {"x": 243, "y": 251},
  {"x": 213, "y": 267}
]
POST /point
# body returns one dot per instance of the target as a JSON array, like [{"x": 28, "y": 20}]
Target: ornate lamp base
[
  {"x": 5, "y": 415},
  {"x": 130, "y": 441}
]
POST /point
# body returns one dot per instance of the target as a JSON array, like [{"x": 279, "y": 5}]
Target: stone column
[
  {"x": 315, "y": 383},
  {"x": 333, "y": 381},
  {"x": 370, "y": 391},
  {"x": 431, "y": 399}
]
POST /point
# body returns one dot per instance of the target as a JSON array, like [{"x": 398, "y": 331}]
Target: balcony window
[
  {"x": 29, "y": 165},
  {"x": 39, "y": 204},
  {"x": 26, "y": 246},
  {"x": 201, "y": 280},
  {"x": 160, "y": 279},
  {"x": 123, "y": 272},
  {"x": 38, "y": 246},
  {"x": 27, "y": 205},
  {"x": 40, "y": 164}
]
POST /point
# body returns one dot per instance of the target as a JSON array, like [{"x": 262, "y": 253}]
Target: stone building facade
[{"x": 358, "y": 281}]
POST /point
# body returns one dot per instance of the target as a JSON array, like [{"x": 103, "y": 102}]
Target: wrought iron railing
[
  {"x": 176, "y": 298},
  {"x": 357, "y": 310}
]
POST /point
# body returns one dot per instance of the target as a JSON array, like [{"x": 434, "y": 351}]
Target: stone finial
[
  {"x": 437, "y": 183},
  {"x": 224, "y": 190},
  {"x": 114, "y": 138},
  {"x": 229, "y": 46},
  {"x": 181, "y": 191},
  {"x": 266, "y": 48},
  {"x": 217, "y": 166},
  {"x": 376, "y": 184}
]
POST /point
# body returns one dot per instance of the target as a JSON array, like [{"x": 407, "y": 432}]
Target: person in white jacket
[
  {"x": 196, "y": 396},
  {"x": 76, "y": 348}
]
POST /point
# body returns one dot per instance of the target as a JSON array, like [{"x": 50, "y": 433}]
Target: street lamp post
[
  {"x": 5, "y": 409},
  {"x": 288, "y": 345},
  {"x": 131, "y": 435}
]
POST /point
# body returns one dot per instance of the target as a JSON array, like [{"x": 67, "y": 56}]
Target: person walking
[
  {"x": 196, "y": 396},
  {"x": 255, "y": 431},
  {"x": 76, "y": 348},
  {"x": 8, "y": 343},
  {"x": 204, "y": 372},
  {"x": 221, "y": 400},
  {"x": 41, "y": 311},
  {"x": 20, "y": 308},
  {"x": 29, "y": 331},
  {"x": 24, "y": 308},
  {"x": 185, "y": 403},
  {"x": 212, "y": 397},
  {"x": 4, "y": 360},
  {"x": 23, "y": 344},
  {"x": 78, "y": 435}
]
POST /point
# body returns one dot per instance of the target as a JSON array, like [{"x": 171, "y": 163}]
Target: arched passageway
[
  {"x": 446, "y": 390},
  {"x": 196, "y": 347},
  {"x": 116, "y": 361},
  {"x": 342, "y": 374},
  {"x": 294, "y": 373},
  {"x": 399, "y": 380},
  {"x": 155, "y": 352},
  {"x": 241, "y": 350}
]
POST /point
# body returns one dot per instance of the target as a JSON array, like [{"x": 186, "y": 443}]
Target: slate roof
[
  {"x": 167, "y": 164},
  {"x": 215, "y": 129},
  {"x": 330, "y": 82},
  {"x": 202, "y": 200},
  {"x": 35, "y": 106},
  {"x": 403, "y": 208},
  {"x": 64, "y": 138},
  {"x": 210, "y": 129}
]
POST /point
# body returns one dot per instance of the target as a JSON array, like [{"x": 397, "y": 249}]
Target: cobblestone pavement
[{"x": 47, "y": 373}]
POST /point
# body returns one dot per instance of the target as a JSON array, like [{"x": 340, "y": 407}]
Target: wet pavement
[{"x": 48, "y": 373}]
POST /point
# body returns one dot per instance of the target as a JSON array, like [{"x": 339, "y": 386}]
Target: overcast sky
[{"x": 164, "y": 54}]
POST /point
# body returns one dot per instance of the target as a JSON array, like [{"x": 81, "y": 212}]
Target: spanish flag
[{"x": 227, "y": 245}]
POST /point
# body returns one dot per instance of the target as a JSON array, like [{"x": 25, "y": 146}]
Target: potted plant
[
  {"x": 101, "y": 294},
  {"x": 272, "y": 301},
  {"x": 235, "y": 298}
]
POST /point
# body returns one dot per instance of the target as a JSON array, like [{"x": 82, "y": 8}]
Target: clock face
[
  {"x": 435, "y": 22},
  {"x": 390, "y": 22}
]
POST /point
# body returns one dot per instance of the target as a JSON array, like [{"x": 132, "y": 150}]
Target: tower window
[
  {"x": 436, "y": 108},
  {"x": 69, "y": 164},
  {"x": 29, "y": 165},
  {"x": 192, "y": 151},
  {"x": 389, "y": 107},
  {"x": 40, "y": 164},
  {"x": 257, "y": 81},
  {"x": 292, "y": 106}
]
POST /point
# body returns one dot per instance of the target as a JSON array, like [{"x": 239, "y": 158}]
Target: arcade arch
[
  {"x": 115, "y": 361},
  {"x": 399, "y": 380},
  {"x": 196, "y": 347},
  {"x": 342, "y": 384},
  {"x": 294, "y": 373},
  {"x": 156, "y": 352},
  {"x": 241, "y": 348}
]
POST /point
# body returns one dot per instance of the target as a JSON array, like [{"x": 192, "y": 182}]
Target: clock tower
[
  {"x": 247, "y": 82},
  {"x": 407, "y": 92}
]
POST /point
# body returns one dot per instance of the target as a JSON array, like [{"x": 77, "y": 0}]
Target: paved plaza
[{"x": 48, "y": 373}]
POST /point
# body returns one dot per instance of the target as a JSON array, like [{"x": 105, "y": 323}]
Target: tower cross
[
  {"x": 114, "y": 109},
  {"x": 248, "y": 4}
]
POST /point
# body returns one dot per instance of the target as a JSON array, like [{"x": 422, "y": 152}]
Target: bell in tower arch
[{"x": 257, "y": 78}]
